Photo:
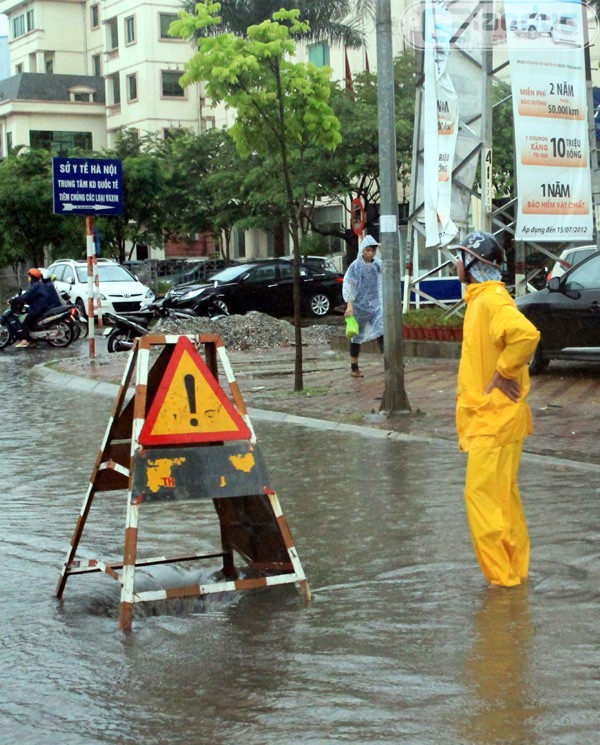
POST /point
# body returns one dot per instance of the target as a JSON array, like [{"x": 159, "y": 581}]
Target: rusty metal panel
[
  {"x": 250, "y": 527},
  {"x": 211, "y": 472}
]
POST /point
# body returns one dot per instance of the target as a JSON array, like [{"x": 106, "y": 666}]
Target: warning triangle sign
[{"x": 190, "y": 406}]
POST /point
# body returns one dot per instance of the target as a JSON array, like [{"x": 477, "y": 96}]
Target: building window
[
  {"x": 49, "y": 62},
  {"x": 115, "y": 90},
  {"x": 171, "y": 133},
  {"x": 207, "y": 122},
  {"x": 170, "y": 84},
  {"x": 132, "y": 92},
  {"x": 95, "y": 16},
  {"x": 318, "y": 54},
  {"x": 82, "y": 95},
  {"x": 18, "y": 26},
  {"x": 23, "y": 23},
  {"x": 9, "y": 143},
  {"x": 130, "y": 30},
  {"x": 18, "y": 69},
  {"x": 96, "y": 65},
  {"x": 112, "y": 35},
  {"x": 60, "y": 142},
  {"x": 166, "y": 19}
]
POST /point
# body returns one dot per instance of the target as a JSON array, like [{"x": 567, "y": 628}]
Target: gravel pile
[{"x": 252, "y": 331}]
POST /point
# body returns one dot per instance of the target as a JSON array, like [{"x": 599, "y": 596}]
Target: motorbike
[
  {"x": 80, "y": 324},
  {"x": 127, "y": 327},
  {"x": 55, "y": 326}
]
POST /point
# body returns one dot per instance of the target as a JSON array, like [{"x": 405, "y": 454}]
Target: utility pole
[{"x": 394, "y": 396}]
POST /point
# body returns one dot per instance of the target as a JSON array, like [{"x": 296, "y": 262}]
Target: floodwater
[{"x": 403, "y": 642}]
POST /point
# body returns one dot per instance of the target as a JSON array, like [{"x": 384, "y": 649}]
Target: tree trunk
[{"x": 298, "y": 381}]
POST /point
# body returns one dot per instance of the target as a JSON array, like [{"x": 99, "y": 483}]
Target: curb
[{"x": 54, "y": 377}]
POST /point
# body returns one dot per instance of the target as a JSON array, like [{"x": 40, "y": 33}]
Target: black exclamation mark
[{"x": 190, "y": 387}]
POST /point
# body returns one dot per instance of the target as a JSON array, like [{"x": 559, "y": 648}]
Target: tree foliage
[
  {"x": 144, "y": 182},
  {"x": 282, "y": 107},
  {"x": 336, "y": 20},
  {"x": 27, "y": 222}
]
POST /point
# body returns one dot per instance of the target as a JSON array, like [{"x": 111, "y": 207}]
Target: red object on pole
[
  {"x": 91, "y": 259},
  {"x": 359, "y": 216}
]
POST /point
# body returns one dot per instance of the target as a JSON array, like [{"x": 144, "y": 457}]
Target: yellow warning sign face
[{"x": 190, "y": 406}]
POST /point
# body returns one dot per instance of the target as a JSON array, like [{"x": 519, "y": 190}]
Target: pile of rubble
[{"x": 252, "y": 331}]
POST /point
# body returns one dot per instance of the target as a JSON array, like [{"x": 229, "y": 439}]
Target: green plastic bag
[{"x": 351, "y": 327}]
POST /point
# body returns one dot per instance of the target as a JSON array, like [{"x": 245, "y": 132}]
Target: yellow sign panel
[{"x": 190, "y": 406}]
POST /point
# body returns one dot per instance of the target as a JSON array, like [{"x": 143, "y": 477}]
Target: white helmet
[{"x": 45, "y": 274}]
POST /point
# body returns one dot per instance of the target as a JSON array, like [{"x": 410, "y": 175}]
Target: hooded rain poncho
[{"x": 363, "y": 288}]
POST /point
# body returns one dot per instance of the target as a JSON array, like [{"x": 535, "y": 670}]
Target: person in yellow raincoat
[{"x": 492, "y": 414}]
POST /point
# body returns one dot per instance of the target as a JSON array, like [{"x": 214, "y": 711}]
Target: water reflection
[{"x": 496, "y": 670}]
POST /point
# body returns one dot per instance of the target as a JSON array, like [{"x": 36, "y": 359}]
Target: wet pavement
[{"x": 403, "y": 643}]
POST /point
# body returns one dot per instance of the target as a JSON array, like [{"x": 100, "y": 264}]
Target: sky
[{"x": 3, "y": 25}]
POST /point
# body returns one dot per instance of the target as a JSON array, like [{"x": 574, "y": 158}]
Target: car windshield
[
  {"x": 107, "y": 273},
  {"x": 585, "y": 276},
  {"x": 231, "y": 273}
]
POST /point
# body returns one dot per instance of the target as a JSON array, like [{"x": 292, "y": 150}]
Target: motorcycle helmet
[
  {"x": 45, "y": 274},
  {"x": 35, "y": 274},
  {"x": 483, "y": 247}
]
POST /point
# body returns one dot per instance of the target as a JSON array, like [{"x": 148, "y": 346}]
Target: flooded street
[{"x": 403, "y": 643}]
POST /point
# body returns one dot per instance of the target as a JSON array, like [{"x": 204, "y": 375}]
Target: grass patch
[{"x": 312, "y": 390}]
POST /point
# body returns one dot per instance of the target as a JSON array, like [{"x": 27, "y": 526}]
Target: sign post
[{"x": 88, "y": 187}]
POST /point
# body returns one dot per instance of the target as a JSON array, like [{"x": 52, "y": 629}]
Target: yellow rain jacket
[{"x": 496, "y": 336}]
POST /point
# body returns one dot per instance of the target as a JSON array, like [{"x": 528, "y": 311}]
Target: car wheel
[
  {"x": 65, "y": 335},
  {"x": 4, "y": 337},
  {"x": 319, "y": 305},
  {"x": 538, "y": 363},
  {"x": 532, "y": 32},
  {"x": 221, "y": 308}
]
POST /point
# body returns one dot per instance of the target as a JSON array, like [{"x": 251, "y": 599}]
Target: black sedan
[
  {"x": 266, "y": 286},
  {"x": 567, "y": 314}
]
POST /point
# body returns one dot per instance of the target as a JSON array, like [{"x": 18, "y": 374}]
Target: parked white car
[
  {"x": 569, "y": 257},
  {"x": 120, "y": 291}
]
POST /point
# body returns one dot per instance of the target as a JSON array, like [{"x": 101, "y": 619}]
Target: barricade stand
[{"x": 180, "y": 437}]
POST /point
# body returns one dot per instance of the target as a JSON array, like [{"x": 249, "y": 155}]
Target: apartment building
[
  {"x": 122, "y": 46},
  {"x": 80, "y": 70}
]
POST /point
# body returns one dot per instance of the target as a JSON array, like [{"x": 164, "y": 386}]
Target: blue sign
[{"x": 87, "y": 186}]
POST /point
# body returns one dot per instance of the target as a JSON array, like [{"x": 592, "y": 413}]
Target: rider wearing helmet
[
  {"x": 492, "y": 414},
  {"x": 37, "y": 301}
]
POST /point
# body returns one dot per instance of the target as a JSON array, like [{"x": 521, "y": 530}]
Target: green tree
[
  {"x": 353, "y": 168},
  {"x": 144, "y": 182},
  {"x": 27, "y": 222},
  {"x": 503, "y": 163},
  {"x": 205, "y": 186},
  {"x": 281, "y": 106},
  {"x": 336, "y": 20}
]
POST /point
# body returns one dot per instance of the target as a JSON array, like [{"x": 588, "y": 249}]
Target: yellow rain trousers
[{"x": 492, "y": 428}]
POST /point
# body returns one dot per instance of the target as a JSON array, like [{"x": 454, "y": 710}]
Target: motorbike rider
[
  {"x": 38, "y": 303},
  {"x": 50, "y": 289}
]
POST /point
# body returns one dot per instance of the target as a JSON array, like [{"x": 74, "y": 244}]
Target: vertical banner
[
  {"x": 545, "y": 43},
  {"x": 440, "y": 126}
]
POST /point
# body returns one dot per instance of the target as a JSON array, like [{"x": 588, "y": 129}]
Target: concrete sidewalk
[{"x": 565, "y": 401}]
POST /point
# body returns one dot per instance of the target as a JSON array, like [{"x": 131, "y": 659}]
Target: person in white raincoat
[{"x": 362, "y": 290}]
